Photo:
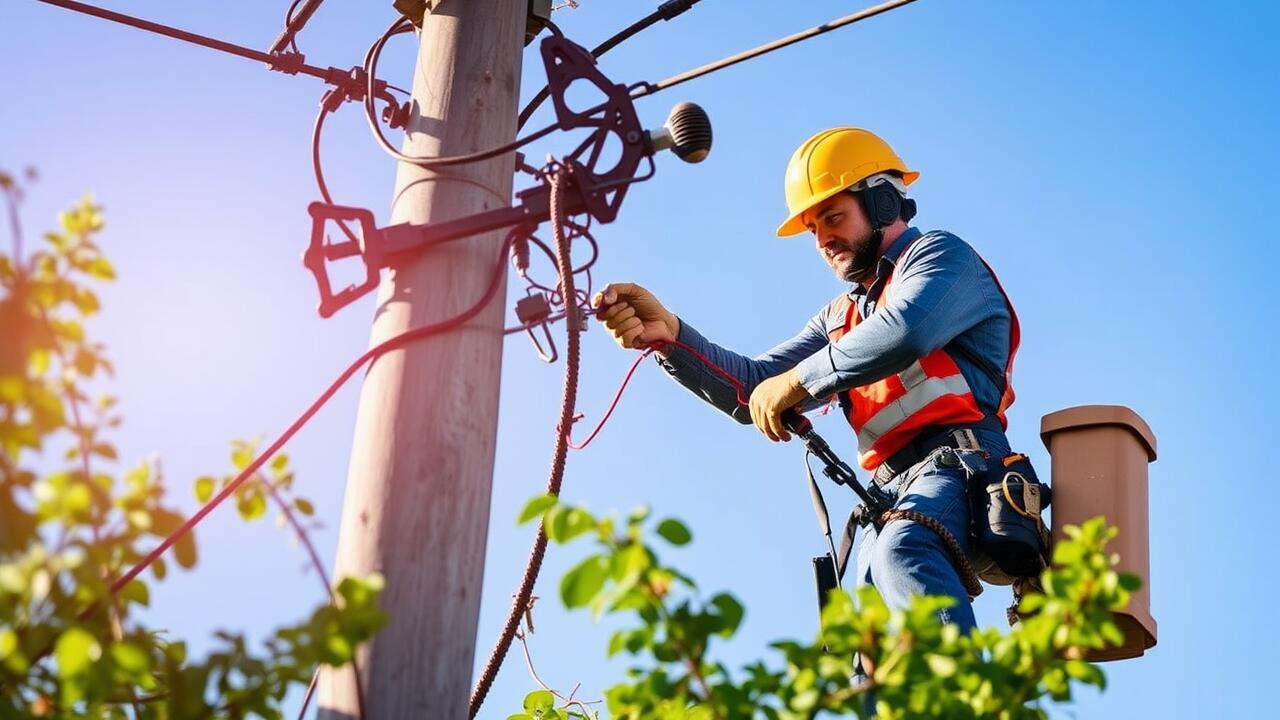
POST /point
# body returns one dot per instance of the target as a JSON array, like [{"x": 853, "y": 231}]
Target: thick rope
[
  {"x": 968, "y": 575},
  {"x": 573, "y": 322}
]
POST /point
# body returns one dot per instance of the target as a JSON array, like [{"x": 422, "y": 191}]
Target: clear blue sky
[{"x": 1113, "y": 161}]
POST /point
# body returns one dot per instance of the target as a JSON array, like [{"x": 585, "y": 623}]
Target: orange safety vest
[{"x": 889, "y": 413}]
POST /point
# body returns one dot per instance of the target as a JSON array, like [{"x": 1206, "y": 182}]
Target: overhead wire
[
  {"x": 294, "y": 21},
  {"x": 290, "y": 64},
  {"x": 652, "y": 88},
  {"x": 400, "y": 26}
]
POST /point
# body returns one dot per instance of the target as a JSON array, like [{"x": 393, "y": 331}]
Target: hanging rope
[{"x": 573, "y": 323}]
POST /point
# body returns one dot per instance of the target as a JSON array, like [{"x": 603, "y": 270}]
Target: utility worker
[{"x": 918, "y": 352}]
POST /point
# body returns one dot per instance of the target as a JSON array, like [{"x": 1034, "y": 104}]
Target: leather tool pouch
[{"x": 1008, "y": 528}]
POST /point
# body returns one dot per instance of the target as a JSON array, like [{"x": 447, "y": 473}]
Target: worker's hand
[
  {"x": 634, "y": 316},
  {"x": 771, "y": 398}
]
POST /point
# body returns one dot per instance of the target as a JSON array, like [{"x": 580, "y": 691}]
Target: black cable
[
  {"x": 651, "y": 88},
  {"x": 294, "y": 20},
  {"x": 402, "y": 25},
  {"x": 288, "y": 63},
  {"x": 331, "y": 101},
  {"x": 274, "y": 61},
  {"x": 665, "y": 11}
]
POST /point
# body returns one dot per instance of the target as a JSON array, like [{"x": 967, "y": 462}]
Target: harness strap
[
  {"x": 968, "y": 576},
  {"x": 960, "y": 438}
]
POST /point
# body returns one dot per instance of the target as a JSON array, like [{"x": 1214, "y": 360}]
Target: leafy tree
[
  {"x": 72, "y": 522},
  {"x": 917, "y": 667}
]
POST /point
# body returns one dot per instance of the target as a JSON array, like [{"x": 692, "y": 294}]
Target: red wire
[
  {"x": 616, "y": 397},
  {"x": 735, "y": 382}
]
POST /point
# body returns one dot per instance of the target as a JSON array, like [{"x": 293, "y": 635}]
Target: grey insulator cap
[{"x": 687, "y": 133}]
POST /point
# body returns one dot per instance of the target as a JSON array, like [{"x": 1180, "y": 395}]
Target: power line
[
  {"x": 650, "y": 89},
  {"x": 294, "y": 20},
  {"x": 288, "y": 63}
]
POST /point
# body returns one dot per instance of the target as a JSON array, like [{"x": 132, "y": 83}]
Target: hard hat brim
[{"x": 794, "y": 225}]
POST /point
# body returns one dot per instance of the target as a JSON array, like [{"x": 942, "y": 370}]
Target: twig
[
  {"x": 318, "y": 564},
  {"x": 568, "y": 701},
  {"x": 689, "y": 660}
]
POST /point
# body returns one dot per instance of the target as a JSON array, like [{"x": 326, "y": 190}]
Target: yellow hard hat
[{"x": 830, "y": 162}]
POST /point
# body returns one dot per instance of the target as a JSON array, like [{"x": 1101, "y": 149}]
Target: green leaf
[
  {"x": 539, "y": 701},
  {"x": 556, "y": 523},
  {"x": 241, "y": 454},
  {"x": 1085, "y": 672},
  {"x": 204, "y": 488},
  {"x": 1031, "y": 603},
  {"x": 304, "y": 506},
  {"x": 535, "y": 508},
  {"x": 136, "y": 591},
  {"x": 805, "y": 700},
  {"x": 731, "y": 612},
  {"x": 100, "y": 268},
  {"x": 674, "y": 531},
  {"x": 8, "y": 642},
  {"x": 583, "y": 581},
  {"x": 140, "y": 519},
  {"x": 638, "y": 514},
  {"x": 39, "y": 361},
  {"x": 76, "y": 650},
  {"x": 250, "y": 503},
  {"x": 1130, "y": 582},
  {"x": 941, "y": 665},
  {"x": 576, "y": 522},
  {"x": 279, "y": 462},
  {"x": 130, "y": 658},
  {"x": 633, "y": 641},
  {"x": 616, "y": 643}
]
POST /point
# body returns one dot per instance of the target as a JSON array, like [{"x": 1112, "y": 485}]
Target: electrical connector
[{"x": 533, "y": 309}]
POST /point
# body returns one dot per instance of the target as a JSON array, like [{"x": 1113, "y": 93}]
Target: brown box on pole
[{"x": 1100, "y": 456}]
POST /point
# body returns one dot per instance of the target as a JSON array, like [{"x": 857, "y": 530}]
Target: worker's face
[{"x": 839, "y": 226}]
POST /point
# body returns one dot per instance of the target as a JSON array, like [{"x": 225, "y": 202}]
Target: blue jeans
[{"x": 907, "y": 558}]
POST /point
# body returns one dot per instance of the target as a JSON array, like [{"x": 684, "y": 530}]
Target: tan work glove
[
  {"x": 633, "y": 316},
  {"x": 773, "y": 397}
]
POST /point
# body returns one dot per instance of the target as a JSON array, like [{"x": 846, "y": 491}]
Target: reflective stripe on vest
[
  {"x": 915, "y": 400},
  {"x": 888, "y": 414}
]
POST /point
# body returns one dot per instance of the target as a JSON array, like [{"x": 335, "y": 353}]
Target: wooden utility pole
[{"x": 417, "y": 500}]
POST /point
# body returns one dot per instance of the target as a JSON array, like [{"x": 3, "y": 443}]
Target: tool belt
[
  {"x": 1009, "y": 537},
  {"x": 924, "y": 444}
]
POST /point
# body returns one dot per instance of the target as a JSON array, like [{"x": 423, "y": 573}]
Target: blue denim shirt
[{"x": 943, "y": 296}]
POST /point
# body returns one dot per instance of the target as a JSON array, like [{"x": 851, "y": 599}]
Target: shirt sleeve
[
  {"x": 938, "y": 292},
  {"x": 690, "y": 371}
]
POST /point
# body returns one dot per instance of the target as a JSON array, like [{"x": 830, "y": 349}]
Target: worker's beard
[{"x": 862, "y": 259}]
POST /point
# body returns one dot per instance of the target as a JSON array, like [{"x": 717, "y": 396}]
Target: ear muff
[{"x": 882, "y": 203}]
